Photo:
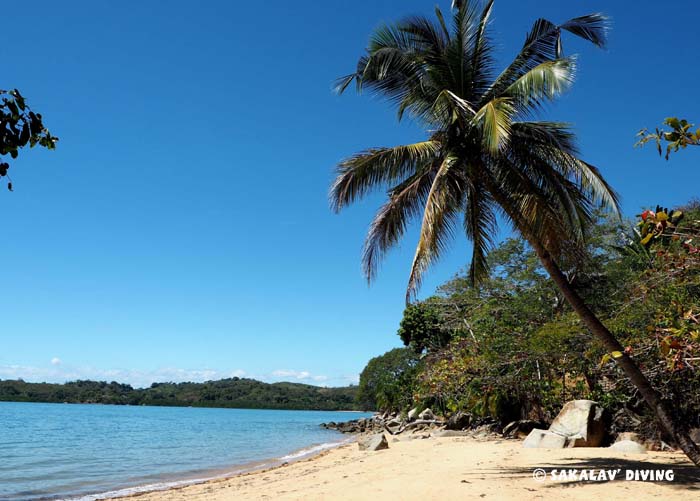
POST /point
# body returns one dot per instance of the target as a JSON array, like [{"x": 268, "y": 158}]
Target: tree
[
  {"x": 680, "y": 135},
  {"x": 484, "y": 156},
  {"x": 421, "y": 329},
  {"x": 386, "y": 383},
  {"x": 20, "y": 126}
]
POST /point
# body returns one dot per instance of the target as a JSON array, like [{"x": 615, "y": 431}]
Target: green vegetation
[
  {"x": 233, "y": 393},
  {"x": 20, "y": 127},
  {"x": 680, "y": 135},
  {"x": 387, "y": 382},
  {"x": 518, "y": 351},
  {"x": 484, "y": 156}
]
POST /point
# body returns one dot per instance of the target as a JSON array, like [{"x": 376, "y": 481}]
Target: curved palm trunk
[
  {"x": 630, "y": 368},
  {"x": 653, "y": 399}
]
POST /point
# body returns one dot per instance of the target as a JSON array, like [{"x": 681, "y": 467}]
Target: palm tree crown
[{"x": 485, "y": 155}]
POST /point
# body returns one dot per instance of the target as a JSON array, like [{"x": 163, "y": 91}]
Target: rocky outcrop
[
  {"x": 375, "y": 442},
  {"x": 412, "y": 414},
  {"x": 458, "y": 421},
  {"x": 628, "y": 447},
  {"x": 518, "y": 429},
  {"x": 582, "y": 422},
  {"x": 628, "y": 435},
  {"x": 579, "y": 424},
  {"x": 427, "y": 414},
  {"x": 362, "y": 425},
  {"x": 544, "y": 439}
]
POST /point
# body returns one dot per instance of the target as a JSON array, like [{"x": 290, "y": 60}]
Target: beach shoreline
[
  {"x": 188, "y": 480},
  {"x": 447, "y": 468}
]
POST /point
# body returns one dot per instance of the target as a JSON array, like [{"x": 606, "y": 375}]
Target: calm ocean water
[{"x": 62, "y": 451}]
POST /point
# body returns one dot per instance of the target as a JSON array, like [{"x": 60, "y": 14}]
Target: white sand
[{"x": 449, "y": 468}]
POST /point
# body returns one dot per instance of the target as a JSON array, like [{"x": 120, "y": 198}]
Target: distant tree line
[{"x": 233, "y": 393}]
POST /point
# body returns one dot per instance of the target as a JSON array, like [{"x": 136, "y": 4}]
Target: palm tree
[{"x": 485, "y": 155}]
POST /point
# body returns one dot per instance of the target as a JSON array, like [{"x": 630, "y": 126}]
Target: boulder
[
  {"x": 394, "y": 422},
  {"x": 695, "y": 435},
  {"x": 628, "y": 447},
  {"x": 458, "y": 421},
  {"x": 544, "y": 439},
  {"x": 426, "y": 414},
  {"x": 412, "y": 414},
  {"x": 520, "y": 428},
  {"x": 451, "y": 433},
  {"x": 375, "y": 442},
  {"x": 628, "y": 436},
  {"x": 581, "y": 421}
]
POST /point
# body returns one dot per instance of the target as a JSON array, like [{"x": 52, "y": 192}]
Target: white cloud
[
  {"x": 284, "y": 374},
  {"x": 55, "y": 361}
]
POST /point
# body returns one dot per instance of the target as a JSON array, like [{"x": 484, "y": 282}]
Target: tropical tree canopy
[
  {"x": 485, "y": 155},
  {"x": 20, "y": 127}
]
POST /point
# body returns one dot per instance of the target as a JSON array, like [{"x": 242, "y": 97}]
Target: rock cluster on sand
[
  {"x": 374, "y": 442},
  {"x": 579, "y": 424},
  {"x": 629, "y": 446}
]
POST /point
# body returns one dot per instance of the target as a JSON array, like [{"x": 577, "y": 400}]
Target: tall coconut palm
[{"x": 485, "y": 155}]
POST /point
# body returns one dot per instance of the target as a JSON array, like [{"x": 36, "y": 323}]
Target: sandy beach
[{"x": 453, "y": 468}]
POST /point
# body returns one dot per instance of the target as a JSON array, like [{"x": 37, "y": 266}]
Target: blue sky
[{"x": 181, "y": 230}]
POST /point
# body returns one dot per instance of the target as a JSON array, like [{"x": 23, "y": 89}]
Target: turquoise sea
[{"x": 88, "y": 452}]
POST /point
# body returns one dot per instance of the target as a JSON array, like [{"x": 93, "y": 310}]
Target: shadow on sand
[{"x": 686, "y": 476}]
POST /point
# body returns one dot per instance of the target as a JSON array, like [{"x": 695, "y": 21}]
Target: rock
[
  {"x": 581, "y": 421},
  {"x": 420, "y": 436},
  {"x": 458, "y": 421},
  {"x": 628, "y": 447},
  {"x": 628, "y": 436},
  {"x": 373, "y": 443},
  {"x": 520, "y": 428},
  {"x": 451, "y": 433},
  {"x": 426, "y": 414},
  {"x": 412, "y": 414},
  {"x": 695, "y": 435},
  {"x": 544, "y": 439}
]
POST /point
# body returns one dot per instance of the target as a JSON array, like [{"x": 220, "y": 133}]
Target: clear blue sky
[{"x": 181, "y": 229}]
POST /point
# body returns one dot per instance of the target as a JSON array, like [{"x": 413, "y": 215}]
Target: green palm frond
[
  {"x": 545, "y": 81},
  {"x": 480, "y": 227},
  {"x": 495, "y": 119},
  {"x": 441, "y": 208},
  {"x": 406, "y": 202},
  {"x": 592, "y": 27},
  {"x": 558, "y": 148},
  {"x": 372, "y": 168},
  {"x": 543, "y": 43}
]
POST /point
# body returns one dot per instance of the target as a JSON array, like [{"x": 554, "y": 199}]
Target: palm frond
[
  {"x": 437, "y": 228},
  {"x": 481, "y": 53},
  {"x": 424, "y": 32},
  {"x": 543, "y": 43},
  {"x": 405, "y": 203},
  {"x": 591, "y": 27},
  {"x": 494, "y": 119},
  {"x": 480, "y": 227},
  {"x": 372, "y": 168},
  {"x": 545, "y": 81}
]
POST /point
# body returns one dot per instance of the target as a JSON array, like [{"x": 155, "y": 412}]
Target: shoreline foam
[{"x": 302, "y": 454}]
